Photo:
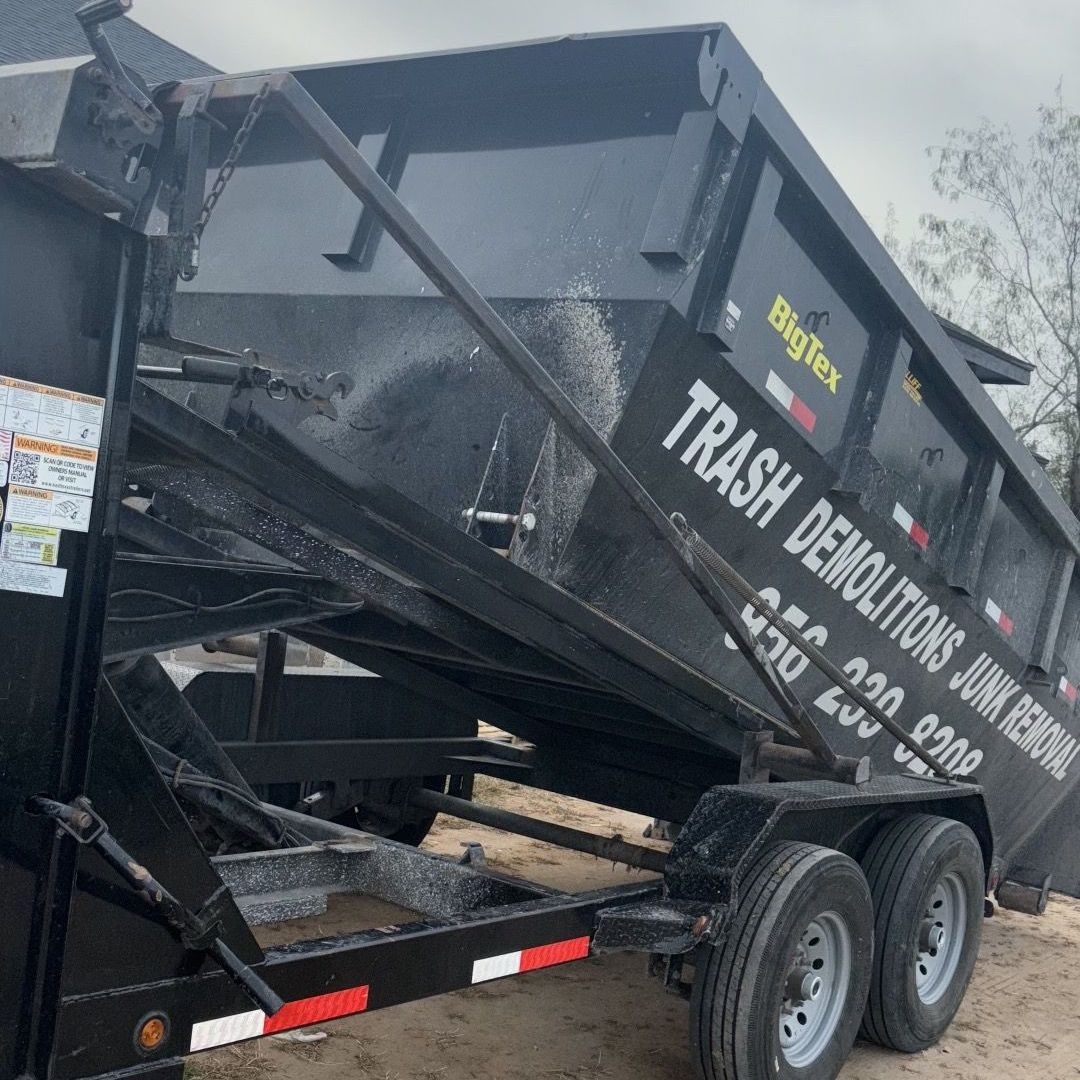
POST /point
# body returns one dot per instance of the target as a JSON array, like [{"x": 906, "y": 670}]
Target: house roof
[{"x": 48, "y": 29}]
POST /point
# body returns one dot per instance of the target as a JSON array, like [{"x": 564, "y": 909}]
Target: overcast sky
[{"x": 871, "y": 82}]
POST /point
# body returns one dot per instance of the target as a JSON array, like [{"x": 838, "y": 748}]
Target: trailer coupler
[{"x": 199, "y": 931}]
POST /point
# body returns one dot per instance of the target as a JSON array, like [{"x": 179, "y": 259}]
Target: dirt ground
[{"x": 605, "y": 1019}]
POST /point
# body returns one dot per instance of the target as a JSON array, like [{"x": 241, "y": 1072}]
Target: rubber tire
[
  {"x": 903, "y": 863},
  {"x": 738, "y": 987}
]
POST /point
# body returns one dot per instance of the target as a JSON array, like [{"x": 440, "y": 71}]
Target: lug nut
[{"x": 931, "y": 936}]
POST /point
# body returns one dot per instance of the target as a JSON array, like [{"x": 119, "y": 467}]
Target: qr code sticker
[{"x": 24, "y": 467}]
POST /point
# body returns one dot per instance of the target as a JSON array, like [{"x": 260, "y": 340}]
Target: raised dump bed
[{"x": 679, "y": 258}]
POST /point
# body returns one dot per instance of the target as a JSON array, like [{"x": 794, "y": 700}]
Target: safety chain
[{"x": 228, "y": 167}]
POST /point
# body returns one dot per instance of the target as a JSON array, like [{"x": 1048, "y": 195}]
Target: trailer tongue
[{"x": 600, "y": 418}]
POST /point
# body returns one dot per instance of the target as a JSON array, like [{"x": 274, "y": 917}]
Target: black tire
[
  {"x": 739, "y": 988},
  {"x": 910, "y": 865}
]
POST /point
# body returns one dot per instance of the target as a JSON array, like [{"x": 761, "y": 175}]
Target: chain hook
[{"x": 194, "y": 239}]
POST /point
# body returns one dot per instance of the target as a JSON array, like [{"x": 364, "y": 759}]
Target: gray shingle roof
[{"x": 48, "y": 29}]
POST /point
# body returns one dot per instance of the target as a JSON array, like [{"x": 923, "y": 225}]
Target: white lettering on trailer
[
  {"x": 985, "y": 686},
  {"x": 757, "y": 482},
  {"x": 830, "y": 546}
]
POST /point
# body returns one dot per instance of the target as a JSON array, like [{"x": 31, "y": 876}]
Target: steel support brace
[
  {"x": 269, "y": 671},
  {"x": 603, "y": 847},
  {"x": 364, "y": 181},
  {"x": 369, "y": 759},
  {"x": 396, "y": 533}
]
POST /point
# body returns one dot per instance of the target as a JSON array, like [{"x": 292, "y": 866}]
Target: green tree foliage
[{"x": 1007, "y": 265}]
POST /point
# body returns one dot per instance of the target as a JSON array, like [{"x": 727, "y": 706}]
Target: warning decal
[
  {"x": 54, "y": 465},
  {"x": 36, "y": 409},
  {"x": 40, "y": 580},
  {"x": 34, "y": 506},
  {"x": 49, "y": 439},
  {"x": 37, "y": 544}
]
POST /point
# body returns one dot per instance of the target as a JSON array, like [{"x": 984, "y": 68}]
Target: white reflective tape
[
  {"x": 734, "y": 310},
  {"x": 992, "y": 609},
  {"x": 226, "y": 1029},
  {"x": 496, "y": 967},
  {"x": 779, "y": 390},
  {"x": 902, "y": 518}
]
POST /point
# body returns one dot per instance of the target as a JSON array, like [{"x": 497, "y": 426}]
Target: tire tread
[
  {"x": 892, "y": 853},
  {"x": 729, "y": 960}
]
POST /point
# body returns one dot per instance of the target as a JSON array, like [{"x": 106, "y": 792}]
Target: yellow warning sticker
[{"x": 38, "y": 544}]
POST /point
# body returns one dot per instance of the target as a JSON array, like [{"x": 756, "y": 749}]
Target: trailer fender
[{"x": 730, "y": 825}]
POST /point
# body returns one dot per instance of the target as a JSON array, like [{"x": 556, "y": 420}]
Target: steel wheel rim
[
  {"x": 940, "y": 938},
  {"x": 815, "y": 989}
]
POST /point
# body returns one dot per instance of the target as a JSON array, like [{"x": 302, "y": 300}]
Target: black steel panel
[
  {"x": 924, "y": 458},
  {"x": 67, "y": 284},
  {"x": 324, "y": 704},
  {"x": 429, "y": 399},
  {"x": 1015, "y": 572},
  {"x": 800, "y": 327},
  {"x": 811, "y": 269},
  {"x": 1022, "y": 749}
]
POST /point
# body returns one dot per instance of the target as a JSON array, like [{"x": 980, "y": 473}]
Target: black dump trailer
[{"x": 559, "y": 389}]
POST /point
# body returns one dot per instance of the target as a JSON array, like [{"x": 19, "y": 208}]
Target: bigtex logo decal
[{"x": 801, "y": 345}]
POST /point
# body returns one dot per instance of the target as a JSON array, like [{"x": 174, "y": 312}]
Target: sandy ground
[{"x": 605, "y": 1019}]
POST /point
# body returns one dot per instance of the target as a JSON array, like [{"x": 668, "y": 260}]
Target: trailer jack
[{"x": 199, "y": 931}]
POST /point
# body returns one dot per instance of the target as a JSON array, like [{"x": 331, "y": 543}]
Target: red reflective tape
[
  {"x": 802, "y": 413},
  {"x": 558, "y": 952},
  {"x": 914, "y": 530},
  {"x": 1004, "y": 623},
  {"x": 314, "y": 1010},
  {"x": 919, "y": 535}
]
